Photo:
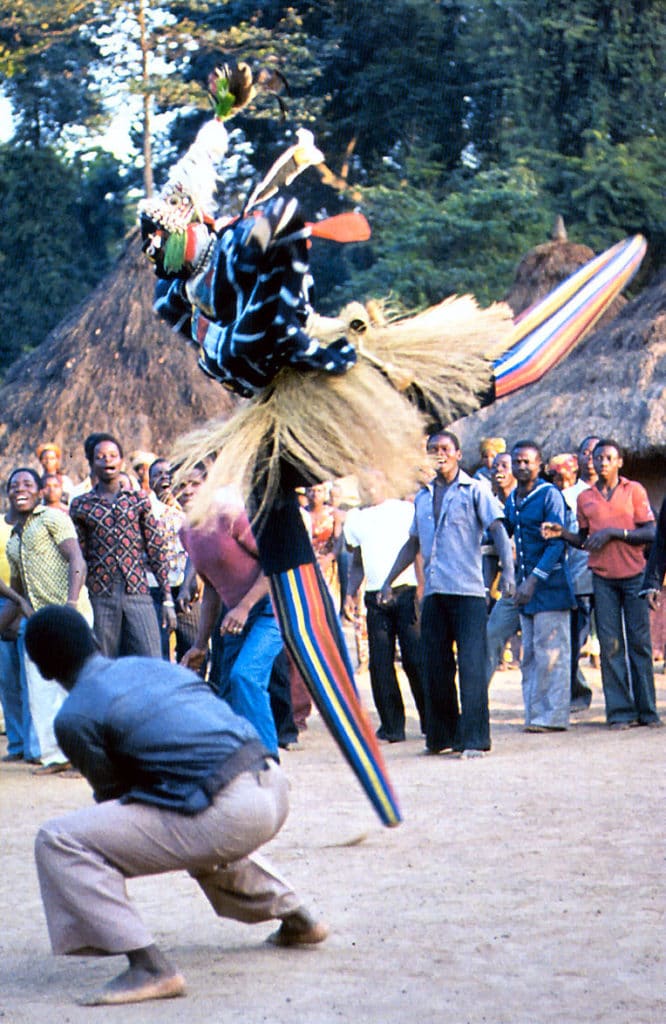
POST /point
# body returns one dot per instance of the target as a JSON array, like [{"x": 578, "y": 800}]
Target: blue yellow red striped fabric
[
  {"x": 312, "y": 635},
  {"x": 548, "y": 330}
]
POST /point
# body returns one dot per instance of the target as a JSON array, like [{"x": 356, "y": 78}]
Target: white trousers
[
  {"x": 84, "y": 858},
  {"x": 45, "y": 697}
]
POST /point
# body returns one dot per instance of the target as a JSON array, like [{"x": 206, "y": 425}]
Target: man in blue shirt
[
  {"x": 451, "y": 514},
  {"x": 544, "y": 595},
  {"x": 190, "y": 787}
]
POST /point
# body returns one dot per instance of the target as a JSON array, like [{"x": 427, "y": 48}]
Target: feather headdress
[{"x": 189, "y": 194}]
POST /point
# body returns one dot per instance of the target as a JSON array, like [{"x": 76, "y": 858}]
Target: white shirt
[{"x": 380, "y": 531}]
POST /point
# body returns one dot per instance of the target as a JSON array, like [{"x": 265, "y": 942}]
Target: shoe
[
  {"x": 53, "y": 768},
  {"x": 622, "y": 726},
  {"x": 299, "y": 929},
  {"x": 579, "y": 705},
  {"x": 471, "y": 754},
  {"x": 655, "y": 723},
  {"x": 431, "y": 752},
  {"x": 12, "y": 758},
  {"x": 545, "y": 728}
]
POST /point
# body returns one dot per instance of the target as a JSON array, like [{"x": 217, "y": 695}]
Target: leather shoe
[{"x": 53, "y": 768}]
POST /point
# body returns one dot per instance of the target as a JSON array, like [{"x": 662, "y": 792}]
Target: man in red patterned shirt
[{"x": 119, "y": 536}]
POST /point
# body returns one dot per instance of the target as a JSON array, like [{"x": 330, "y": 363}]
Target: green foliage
[
  {"x": 52, "y": 251},
  {"x": 461, "y": 127},
  {"x": 47, "y": 55},
  {"x": 425, "y": 248}
]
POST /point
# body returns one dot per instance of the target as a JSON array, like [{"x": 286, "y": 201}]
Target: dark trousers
[
  {"x": 461, "y": 725},
  {"x": 623, "y": 628},
  {"x": 279, "y": 691},
  {"x": 386, "y": 623},
  {"x": 581, "y": 694},
  {"x": 187, "y": 623},
  {"x": 126, "y": 623}
]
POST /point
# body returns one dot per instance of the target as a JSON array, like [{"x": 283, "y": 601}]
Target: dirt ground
[{"x": 524, "y": 888}]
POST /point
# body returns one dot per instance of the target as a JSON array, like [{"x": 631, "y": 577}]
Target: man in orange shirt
[{"x": 615, "y": 523}]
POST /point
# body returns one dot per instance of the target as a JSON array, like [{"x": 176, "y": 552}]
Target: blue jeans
[
  {"x": 31, "y": 751},
  {"x": 503, "y": 623},
  {"x": 245, "y": 670},
  {"x": 623, "y": 628},
  {"x": 581, "y": 694},
  {"x": 445, "y": 619},
  {"x": 10, "y": 696}
]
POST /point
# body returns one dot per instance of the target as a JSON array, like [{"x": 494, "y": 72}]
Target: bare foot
[
  {"x": 299, "y": 929},
  {"x": 149, "y": 976},
  {"x": 136, "y": 985}
]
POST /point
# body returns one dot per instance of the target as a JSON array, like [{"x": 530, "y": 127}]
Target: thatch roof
[
  {"x": 612, "y": 385},
  {"x": 111, "y": 365},
  {"x": 546, "y": 266}
]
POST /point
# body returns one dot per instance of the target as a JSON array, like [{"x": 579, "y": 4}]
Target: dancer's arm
[{"x": 404, "y": 559}]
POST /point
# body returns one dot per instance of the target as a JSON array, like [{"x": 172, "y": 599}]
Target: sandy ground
[{"x": 524, "y": 888}]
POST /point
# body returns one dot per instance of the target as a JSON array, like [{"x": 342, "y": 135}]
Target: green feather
[
  {"x": 224, "y": 101},
  {"x": 174, "y": 252}
]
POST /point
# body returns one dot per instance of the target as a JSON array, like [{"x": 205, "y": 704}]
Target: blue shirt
[
  {"x": 545, "y": 559},
  {"x": 451, "y": 548},
  {"x": 141, "y": 729}
]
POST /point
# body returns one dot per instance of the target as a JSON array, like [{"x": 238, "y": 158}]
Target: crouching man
[{"x": 181, "y": 783}]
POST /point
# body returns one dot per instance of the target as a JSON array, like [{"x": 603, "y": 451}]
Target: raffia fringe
[{"x": 330, "y": 426}]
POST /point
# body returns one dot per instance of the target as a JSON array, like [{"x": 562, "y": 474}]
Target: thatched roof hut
[
  {"x": 613, "y": 385},
  {"x": 111, "y": 365},
  {"x": 546, "y": 266}
]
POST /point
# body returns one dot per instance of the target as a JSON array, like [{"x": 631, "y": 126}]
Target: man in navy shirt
[
  {"x": 190, "y": 788},
  {"x": 544, "y": 594}
]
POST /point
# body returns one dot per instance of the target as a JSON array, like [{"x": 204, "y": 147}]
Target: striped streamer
[
  {"x": 314, "y": 639},
  {"x": 547, "y": 331}
]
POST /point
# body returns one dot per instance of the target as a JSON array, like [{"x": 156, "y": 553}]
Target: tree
[
  {"x": 425, "y": 248},
  {"x": 47, "y": 56},
  {"x": 56, "y": 236}
]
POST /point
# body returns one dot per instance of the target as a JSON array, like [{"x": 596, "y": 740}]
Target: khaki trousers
[{"x": 84, "y": 858}]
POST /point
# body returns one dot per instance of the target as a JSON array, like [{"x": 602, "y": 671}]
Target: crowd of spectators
[{"x": 522, "y": 561}]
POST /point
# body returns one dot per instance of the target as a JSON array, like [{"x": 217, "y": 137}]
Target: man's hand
[
  {"x": 234, "y": 621},
  {"x": 652, "y": 597},
  {"x": 25, "y": 607},
  {"x": 188, "y": 595},
  {"x": 507, "y": 584},
  {"x": 386, "y": 594},
  {"x": 194, "y": 658},
  {"x": 525, "y": 592},
  {"x": 168, "y": 617},
  {"x": 551, "y": 531},
  {"x": 349, "y": 608},
  {"x": 600, "y": 538}
]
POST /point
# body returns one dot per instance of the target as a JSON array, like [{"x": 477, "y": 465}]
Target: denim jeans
[
  {"x": 447, "y": 619},
  {"x": 546, "y": 668},
  {"x": 503, "y": 623},
  {"x": 386, "y": 623},
  {"x": 245, "y": 670},
  {"x": 10, "y": 696},
  {"x": 581, "y": 694},
  {"x": 623, "y": 628}
]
